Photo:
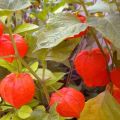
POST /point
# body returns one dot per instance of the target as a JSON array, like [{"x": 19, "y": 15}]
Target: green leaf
[
  {"x": 56, "y": 53},
  {"x": 33, "y": 103},
  {"x": 33, "y": 66},
  {"x": 5, "y": 107},
  {"x": 41, "y": 107},
  {"x": 72, "y": 1},
  {"x": 48, "y": 74},
  {"x": 57, "y": 77},
  {"x": 109, "y": 26},
  {"x": 38, "y": 115},
  {"x": 3, "y": 19},
  {"x": 24, "y": 112},
  {"x": 15, "y": 117},
  {"x": 31, "y": 43},
  {"x": 14, "y": 5},
  {"x": 5, "y": 12},
  {"x": 61, "y": 52},
  {"x": 102, "y": 107},
  {"x": 58, "y": 28},
  {"x": 56, "y": 86},
  {"x": 10, "y": 116},
  {"x": 25, "y": 28},
  {"x": 41, "y": 54},
  {"x": 101, "y": 6},
  {"x": 53, "y": 114},
  {"x": 12, "y": 67},
  {"x": 59, "y": 7},
  {"x": 6, "y": 117},
  {"x": 42, "y": 15},
  {"x": 50, "y": 78}
]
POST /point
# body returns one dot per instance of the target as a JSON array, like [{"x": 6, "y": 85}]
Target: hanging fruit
[
  {"x": 115, "y": 77},
  {"x": 17, "y": 89},
  {"x": 1, "y": 28},
  {"x": 116, "y": 93},
  {"x": 70, "y": 102},
  {"x": 92, "y": 67},
  {"x": 6, "y": 47}
]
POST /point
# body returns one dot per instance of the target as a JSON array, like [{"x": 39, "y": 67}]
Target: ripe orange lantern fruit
[
  {"x": 92, "y": 67},
  {"x": 116, "y": 93},
  {"x": 115, "y": 77},
  {"x": 70, "y": 102},
  {"x": 1, "y": 28},
  {"x": 82, "y": 19},
  {"x": 6, "y": 47},
  {"x": 17, "y": 89}
]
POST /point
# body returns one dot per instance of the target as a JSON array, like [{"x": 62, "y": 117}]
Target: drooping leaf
[
  {"x": 102, "y": 107},
  {"x": 58, "y": 76},
  {"x": 101, "y": 6},
  {"x": 109, "y": 26},
  {"x": 48, "y": 74},
  {"x": 58, "y": 28},
  {"x": 56, "y": 53},
  {"x": 42, "y": 54},
  {"x": 50, "y": 78},
  {"x": 61, "y": 52},
  {"x": 14, "y": 5},
  {"x": 25, "y": 28}
]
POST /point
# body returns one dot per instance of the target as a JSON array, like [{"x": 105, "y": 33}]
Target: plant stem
[
  {"x": 43, "y": 79},
  {"x": 84, "y": 7},
  {"x": 97, "y": 41},
  {"x": 16, "y": 50},
  {"x": 7, "y": 56},
  {"x": 110, "y": 53},
  {"x": 22, "y": 61},
  {"x": 42, "y": 85},
  {"x": 27, "y": 66}
]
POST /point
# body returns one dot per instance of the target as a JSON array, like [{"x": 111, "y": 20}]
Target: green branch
[{"x": 27, "y": 66}]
